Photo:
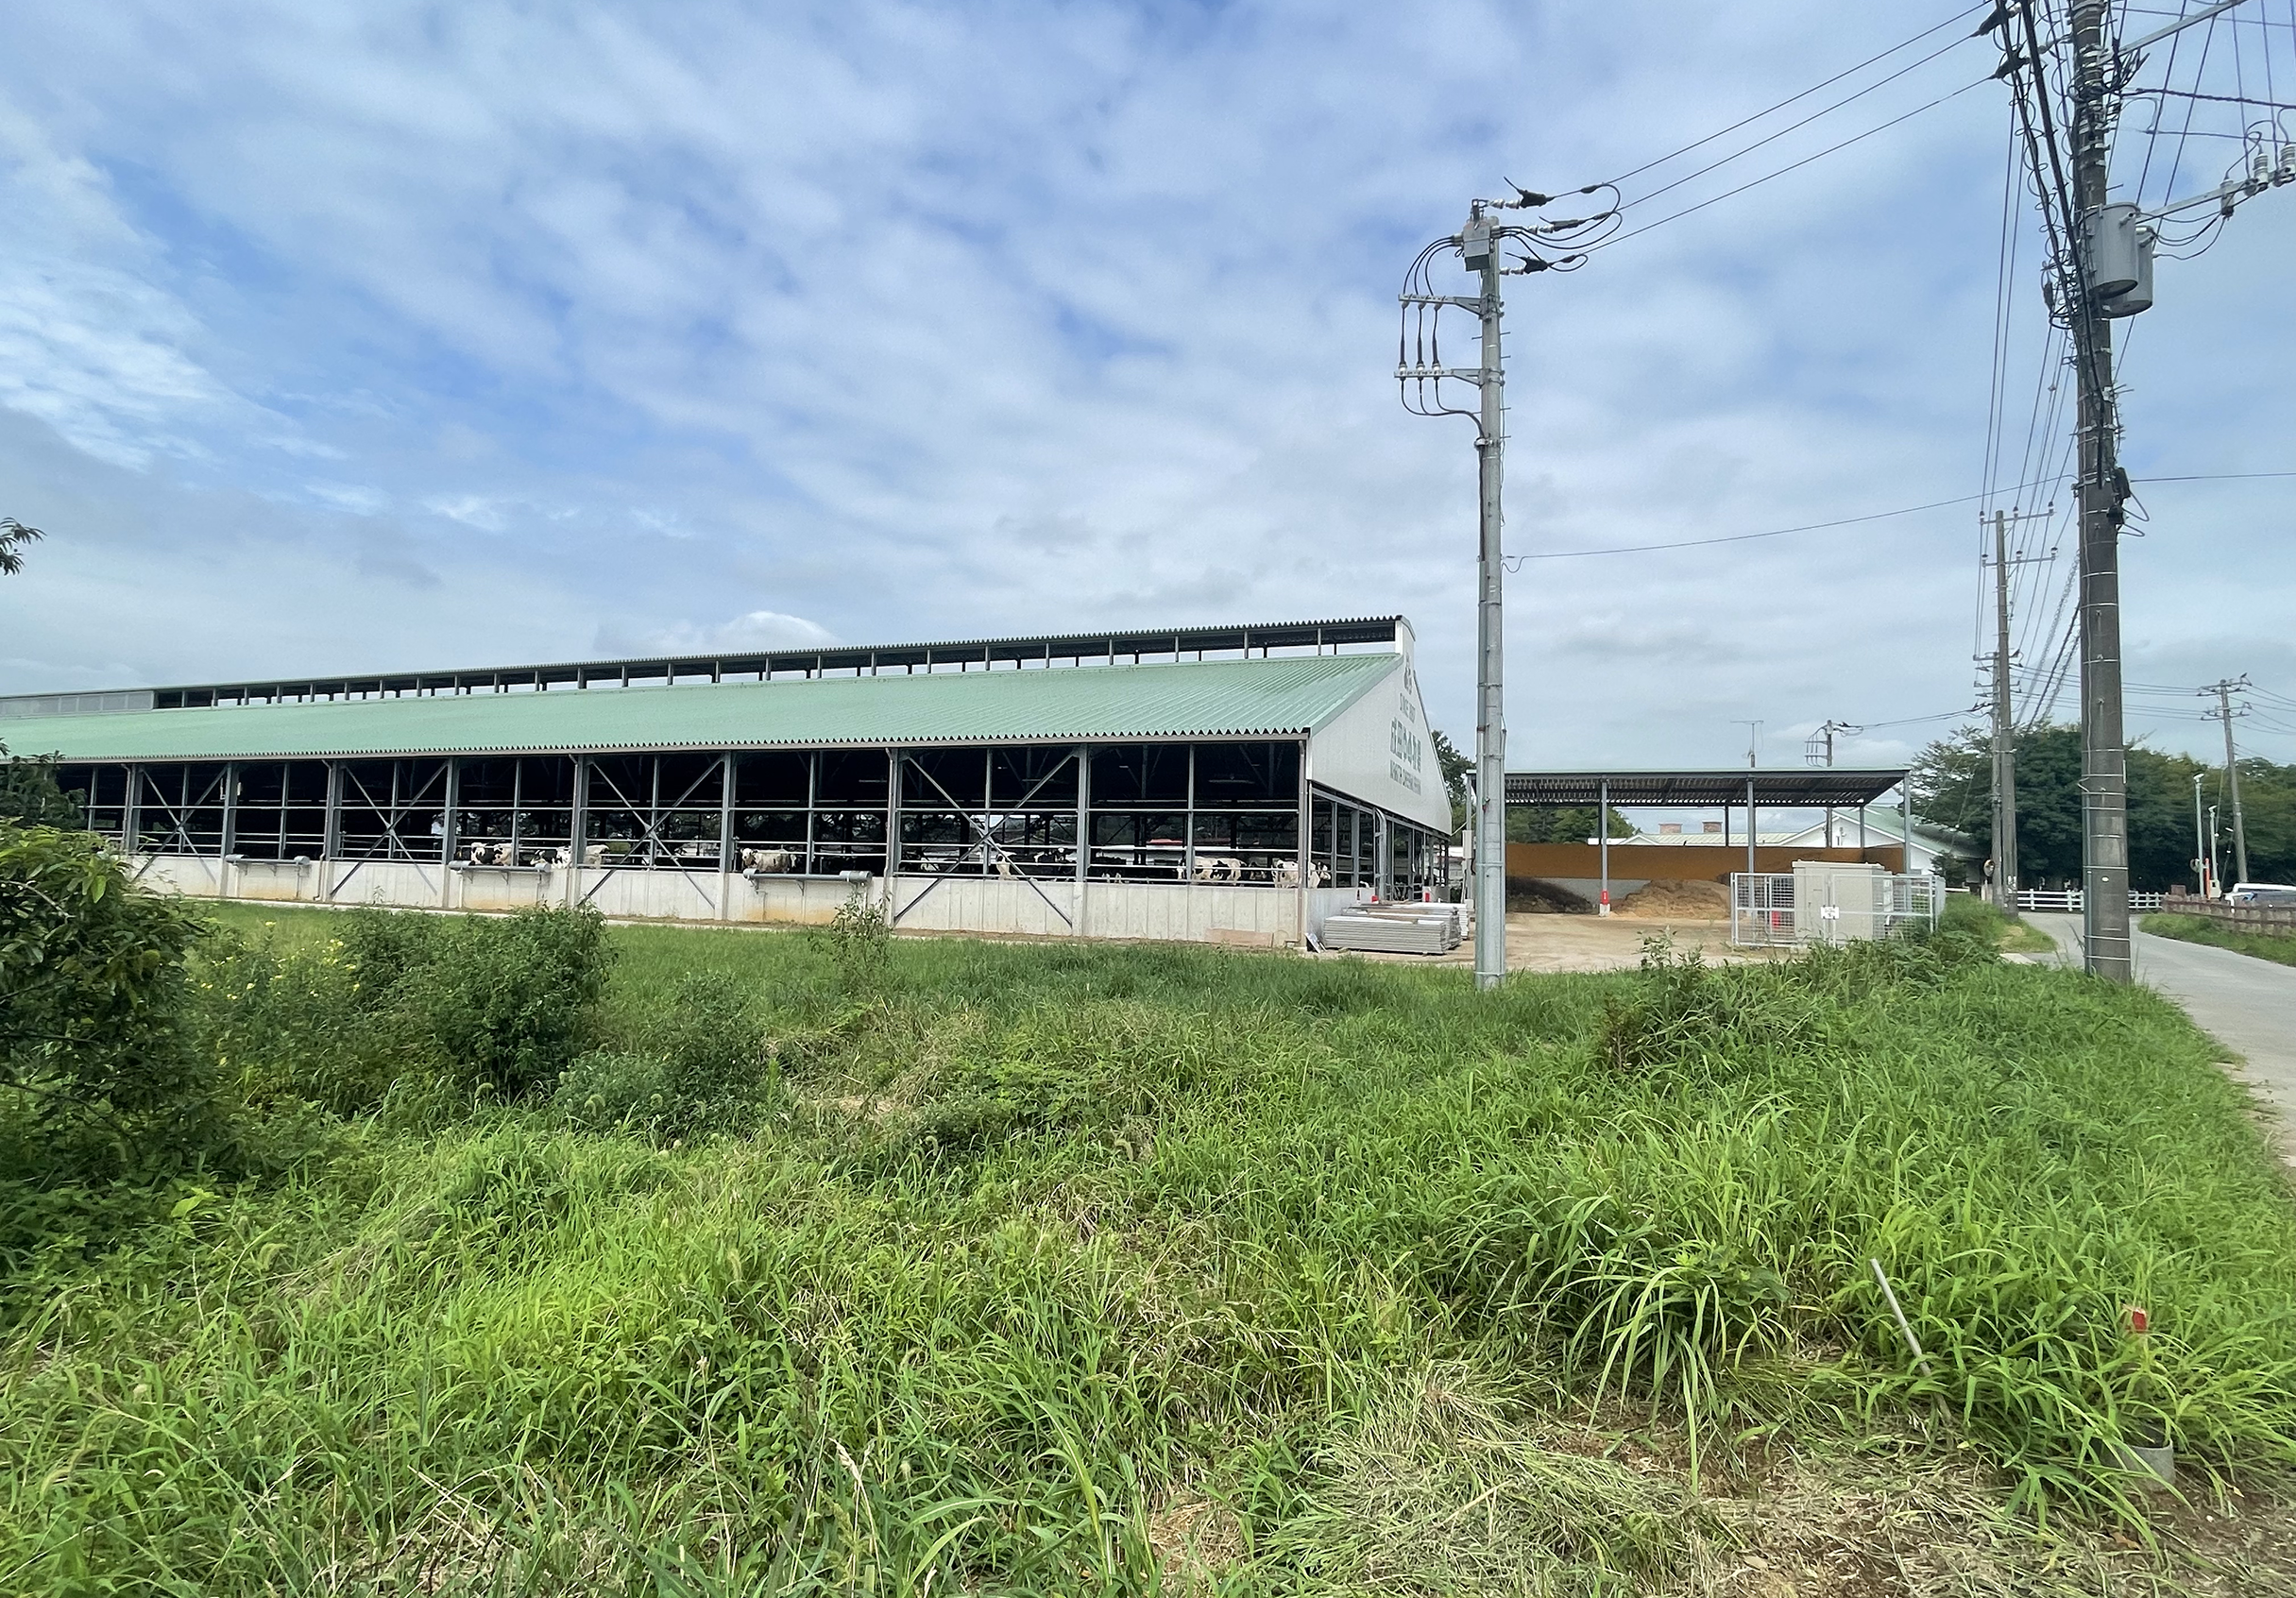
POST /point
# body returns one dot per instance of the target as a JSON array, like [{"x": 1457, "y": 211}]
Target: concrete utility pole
[
  {"x": 2224, "y": 690},
  {"x": 2102, "y": 255},
  {"x": 1420, "y": 375},
  {"x": 1820, "y": 747},
  {"x": 2104, "y": 762},
  {"x": 1480, "y": 251},
  {"x": 2004, "y": 737}
]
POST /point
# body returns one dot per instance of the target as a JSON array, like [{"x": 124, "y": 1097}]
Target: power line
[
  {"x": 1790, "y": 127},
  {"x": 1515, "y": 562},
  {"x": 2214, "y": 477},
  {"x": 1795, "y": 166},
  {"x": 1911, "y": 720},
  {"x": 1960, "y": 16}
]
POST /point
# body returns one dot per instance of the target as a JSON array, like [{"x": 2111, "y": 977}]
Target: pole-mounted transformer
[{"x": 2119, "y": 259}]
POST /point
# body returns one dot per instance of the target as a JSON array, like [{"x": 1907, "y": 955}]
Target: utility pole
[
  {"x": 2102, "y": 256},
  {"x": 2004, "y": 720},
  {"x": 1480, "y": 251},
  {"x": 1421, "y": 374},
  {"x": 2224, "y": 690},
  {"x": 2105, "y": 764},
  {"x": 1820, "y": 746},
  {"x": 2004, "y": 748}
]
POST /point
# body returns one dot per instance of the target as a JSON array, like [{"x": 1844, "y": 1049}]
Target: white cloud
[
  {"x": 350, "y": 497},
  {"x": 471, "y": 510},
  {"x": 1038, "y": 317},
  {"x": 759, "y": 629}
]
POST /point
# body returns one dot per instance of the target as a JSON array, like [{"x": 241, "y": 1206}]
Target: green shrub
[
  {"x": 380, "y": 946},
  {"x": 500, "y": 1005},
  {"x": 428, "y": 1008},
  {"x": 709, "y": 1064},
  {"x": 95, "y": 1039}
]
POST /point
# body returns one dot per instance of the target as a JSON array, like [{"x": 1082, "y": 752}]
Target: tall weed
[{"x": 706, "y": 1064}]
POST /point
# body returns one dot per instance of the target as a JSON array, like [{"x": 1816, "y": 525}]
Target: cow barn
[{"x": 1223, "y": 783}]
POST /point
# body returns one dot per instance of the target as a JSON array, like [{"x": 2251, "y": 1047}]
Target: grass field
[
  {"x": 2201, "y": 929},
  {"x": 1975, "y": 916},
  {"x": 1125, "y": 1269}
]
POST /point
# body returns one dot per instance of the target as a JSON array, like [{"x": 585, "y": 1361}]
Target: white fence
[
  {"x": 2071, "y": 901},
  {"x": 1829, "y": 907}
]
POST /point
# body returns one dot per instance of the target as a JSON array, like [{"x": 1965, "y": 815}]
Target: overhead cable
[
  {"x": 1959, "y": 16},
  {"x": 1795, "y": 166},
  {"x": 1514, "y": 561}
]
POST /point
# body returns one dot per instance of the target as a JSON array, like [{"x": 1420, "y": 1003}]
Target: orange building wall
[{"x": 1667, "y": 862}]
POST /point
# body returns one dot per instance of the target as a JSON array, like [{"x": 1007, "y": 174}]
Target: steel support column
[
  {"x": 1601, "y": 831},
  {"x": 725, "y": 837}
]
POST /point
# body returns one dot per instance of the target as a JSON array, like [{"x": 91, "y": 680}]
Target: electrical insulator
[
  {"x": 2111, "y": 236},
  {"x": 2287, "y": 165},
  {"x": 2138, "y": 295},
  {"x": 2260, "y": 165}
]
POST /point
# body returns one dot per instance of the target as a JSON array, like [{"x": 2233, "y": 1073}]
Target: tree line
[{"x": 1953, "y": 786}]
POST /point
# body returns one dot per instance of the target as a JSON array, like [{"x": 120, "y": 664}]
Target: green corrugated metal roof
[{"x": 1187, "y": 699}]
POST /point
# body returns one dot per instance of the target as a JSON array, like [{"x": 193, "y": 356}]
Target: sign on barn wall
[{"x": 1378, "y": 750}]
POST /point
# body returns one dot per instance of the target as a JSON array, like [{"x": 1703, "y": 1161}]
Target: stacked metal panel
[{"x": 1423, "y": 929}]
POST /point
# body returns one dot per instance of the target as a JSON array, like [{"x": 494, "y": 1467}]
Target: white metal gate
[{"x": 1770, "y": 909}]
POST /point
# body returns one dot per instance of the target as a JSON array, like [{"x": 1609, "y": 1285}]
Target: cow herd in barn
[{"x": 502, "y": 854}]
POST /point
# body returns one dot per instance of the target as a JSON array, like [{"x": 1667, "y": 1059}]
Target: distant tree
[
  {"x": 1559, "y": 823},
  {"x": 1953, "y": 787},
  {"x": 14, "y": 537},
  {"x": 1455, "y": 767}
]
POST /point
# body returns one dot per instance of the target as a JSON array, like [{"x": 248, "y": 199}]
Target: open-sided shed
[
  {"x": 1594, "y": 869},
  {"x": 1220, "y": 783}
]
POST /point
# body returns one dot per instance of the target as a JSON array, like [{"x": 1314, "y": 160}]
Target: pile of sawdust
[
  {"x": 1678, "y": 901},
  {"x": 1535, "y": 895}
]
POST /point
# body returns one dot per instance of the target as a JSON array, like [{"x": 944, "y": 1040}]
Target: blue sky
[{"x": 345, "y": 338}]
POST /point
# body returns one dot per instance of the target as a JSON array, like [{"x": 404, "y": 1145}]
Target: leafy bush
[
  {"x": 30, "y": 795},
  {"x": 502, "y": 1005},
  {"x": 380, "y": 946},
  {"x": 95, "y": 1011},
  {"x": 710, "y": 1065},
  {"x": 434, "y": 1006},
  {"x": 508, "y": 1002}
]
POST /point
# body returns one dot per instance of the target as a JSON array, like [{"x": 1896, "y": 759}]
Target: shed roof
[
  {"x": 1286, "y": 695},
  {"x": 1798, "y": 787}
]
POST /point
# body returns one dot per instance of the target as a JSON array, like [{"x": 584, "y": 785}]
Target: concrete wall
[
  {"x": 1179, "y": 911},
  {"x": 1669, "y": 862}
]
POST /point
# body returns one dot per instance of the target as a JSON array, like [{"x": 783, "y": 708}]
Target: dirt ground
[{"x": 1588, "y": 943}]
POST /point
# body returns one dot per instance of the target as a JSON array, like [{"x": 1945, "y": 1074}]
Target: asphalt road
[{"x": 2247, "y": 1005}]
